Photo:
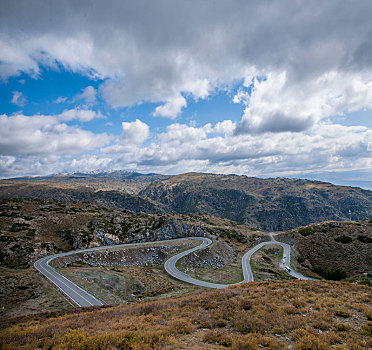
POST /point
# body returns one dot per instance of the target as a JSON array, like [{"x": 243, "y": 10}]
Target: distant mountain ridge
[{"x": 269, "y": 204}]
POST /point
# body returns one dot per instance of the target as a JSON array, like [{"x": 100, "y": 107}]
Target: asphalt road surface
[
  {"x": 70, "y": 289},
  {"x": 170, "y": 264},
  {"x": 81, "y": 297}
]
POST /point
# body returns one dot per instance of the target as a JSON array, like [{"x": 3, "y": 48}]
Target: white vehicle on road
[{"x": 287, "y": 268}]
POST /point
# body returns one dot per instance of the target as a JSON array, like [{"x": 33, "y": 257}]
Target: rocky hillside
[
  {"x": 68, "y": 192},
  {"x": 123, "y": 181},
  {"x": 271, "y": 204},
  {"x": 334, "y": 250},
  {"x": 30, "y": 229}
]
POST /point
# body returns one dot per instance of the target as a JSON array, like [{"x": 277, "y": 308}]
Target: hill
[
  {"x": 271, "y": 204},
  {"x": 269, "y": 315},
  {"x": 122, "y": 181},
  {"x": 97, "y": 192},
  {"x": 31, "y": 229},
  {"x": 334, "y": 250}
]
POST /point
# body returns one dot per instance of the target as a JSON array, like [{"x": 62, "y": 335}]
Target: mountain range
[{"x": 268, "y": 204}]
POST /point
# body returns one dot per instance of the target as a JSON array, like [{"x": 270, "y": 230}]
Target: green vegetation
[
  {"x": 365, "y": 239},
  {"x": 330, "y": 274},
  {"x": 227, "y": 234},
  {"x": 310, "y": 230},
  {"x": 17, "y": 227},
  {"x": 364, "y": 279},
  {"x": 343, "y": 239}
]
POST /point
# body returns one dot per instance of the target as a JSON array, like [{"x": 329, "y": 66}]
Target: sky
[{"x": 260, "y": 88}]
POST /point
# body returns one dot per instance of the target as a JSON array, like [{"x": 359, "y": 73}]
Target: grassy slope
[
  {"x": 320, "y": 245},
  {"x": 271, "y": 315}
]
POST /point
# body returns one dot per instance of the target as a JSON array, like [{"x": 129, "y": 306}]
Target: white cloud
[
  {"x": 83, "y": 115},
  {"x": 44, "y": 135},
  {"x": 89, "y": 95},
  {"x": 199, "y": 88},
  {"x": 325, "y": 146},
  {"x": 135, "y": 132},
  {"x": 18, "y": 99},
  {"x": 276, "y": 105},
  {"x": 171, "y": 108},
  {"x": 301, "y": 72},
  {"x": 60, "y": 99},
  {"x": 162, "y": 56},
  {"x": 241, "y": 97}
]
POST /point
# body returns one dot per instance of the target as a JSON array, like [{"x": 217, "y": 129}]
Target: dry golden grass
[{"x": 271, "y": 315}]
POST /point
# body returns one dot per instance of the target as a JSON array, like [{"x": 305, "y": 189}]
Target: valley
[{"x": 136, "y": 243}]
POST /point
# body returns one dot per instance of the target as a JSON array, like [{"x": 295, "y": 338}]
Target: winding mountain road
[{"x": 81, "y": 297}]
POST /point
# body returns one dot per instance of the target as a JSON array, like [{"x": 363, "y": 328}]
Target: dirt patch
[
  {"x": 265, "y": 264},
  {"x": 154, "y": 254},
  {"x": 117, "y": 285},
  {"x": 217, "y": 263}
]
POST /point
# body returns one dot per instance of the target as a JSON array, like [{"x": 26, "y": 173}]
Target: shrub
[
  {"x": 329, "y": 274},
  {"x": 17, "y": 227},
  {"x": 312, "y": 342},
  {"x": 246, "y": 304},
  {"x": 344, "y": 239},
  {"x": 342, "y": 313},
  {"x": 341, "y": 327},
  {"x": 180, "y": 326},
  {"x": 248, "y": 342},
  {"x": 217, "y": 337},
  {"x": 365, "y": 239},
  {"x": 306, "y": 231}
]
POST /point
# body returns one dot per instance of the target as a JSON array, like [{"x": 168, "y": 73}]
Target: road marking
[
  {"x": 169, "y": 265},
  {"x": 66, "y": 285}
]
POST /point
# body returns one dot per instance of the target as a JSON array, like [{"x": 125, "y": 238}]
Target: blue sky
[{"x": 257, "y": 88}]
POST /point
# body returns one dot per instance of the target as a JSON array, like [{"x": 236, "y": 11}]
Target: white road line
[{"x": 170, "y": 266}]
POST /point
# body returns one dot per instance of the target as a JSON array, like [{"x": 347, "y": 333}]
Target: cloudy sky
[{"x": 261, "y": 88}]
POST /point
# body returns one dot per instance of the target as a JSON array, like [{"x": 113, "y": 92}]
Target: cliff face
[{"x": 271, "y": 204}]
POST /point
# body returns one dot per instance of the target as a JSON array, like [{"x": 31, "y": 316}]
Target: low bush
[
  {"x": 344, "y": 239},
  {"x": 218, "y": 337},
  {"x": 330, "y": 274},
  {"x": 365, "y": 239}
]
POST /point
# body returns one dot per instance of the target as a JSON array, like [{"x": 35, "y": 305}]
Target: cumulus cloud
[
  {"x": 292, "y": 66},
  {"x": 83, "y": 115},
  {"x": 18, "y": 99},
  {"x": 179, "y": 50},
  {"x": 40, "y": 135},
  {"x": 277, "y": 105},
  {"x": 326, "y": 146},
  {"x": 135, "y": 132},
  {"x": 88, "y": 95},
  {"x": 171, "y": 108}
]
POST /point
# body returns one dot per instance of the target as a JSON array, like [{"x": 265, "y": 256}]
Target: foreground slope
[
  {"x": 269, "y": 315},
  {"x": 271, "y": 204}
]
